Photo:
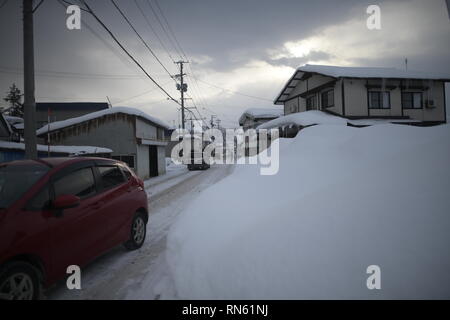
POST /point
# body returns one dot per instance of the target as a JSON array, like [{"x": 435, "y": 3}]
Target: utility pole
[
  {"x": 28, "y": 79},
  {"x": 182, "y": 87},
  {"x": 212, "y": 120}
]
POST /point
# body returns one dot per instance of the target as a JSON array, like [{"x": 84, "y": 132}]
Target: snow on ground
[
  {"x": 344, "y": 199},
  {"x": 143, "y": 274}
]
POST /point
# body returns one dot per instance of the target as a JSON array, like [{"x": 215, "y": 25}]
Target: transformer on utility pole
[
  {"x": 182, "y": 87},
  {"x": 28, "y": 79}
]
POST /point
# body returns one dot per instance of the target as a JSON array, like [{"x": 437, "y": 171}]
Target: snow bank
[
  {"x": 344, "y": 198},
  {"x": 71, "y": 150},
  {"x": 304, "y": 119},
  {"x": 261, "y": 113},
  {"x": 127, "y": 110}
]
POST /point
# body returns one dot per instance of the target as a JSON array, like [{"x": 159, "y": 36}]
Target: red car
[{"x": 59, "y": 212}]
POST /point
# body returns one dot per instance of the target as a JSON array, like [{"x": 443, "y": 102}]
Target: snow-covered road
[{"x": 143, "y": 274}]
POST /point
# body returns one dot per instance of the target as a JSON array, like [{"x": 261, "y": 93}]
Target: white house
[
  {"x": 367, "y": 93},
  {"x": 253, "y": 117}
]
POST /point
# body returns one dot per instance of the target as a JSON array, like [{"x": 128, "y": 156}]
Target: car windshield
[{"x": 15, "y": 180}]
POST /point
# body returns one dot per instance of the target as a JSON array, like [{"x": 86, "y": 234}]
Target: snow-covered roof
[
  {"x": 5, "y": 123},
  {"x": 356, "y": 72},
  {"x": 366, "y": 72},
  {"x": 303, "y": 119},
  {"x": 13, "y": 120},
  {"x": 126, "y": 110},
  {"x": 71, "y": 150},
  {"x": 19, "y": 126},
  {"x": 260, "y": 113}
]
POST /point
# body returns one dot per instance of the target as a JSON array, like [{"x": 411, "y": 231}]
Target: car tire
[
  {"x": 19, "y": 281},
  {"x": 138, "y": 232}
]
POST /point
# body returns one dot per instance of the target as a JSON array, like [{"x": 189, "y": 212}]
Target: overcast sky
[{"x": 249, "y": 48}]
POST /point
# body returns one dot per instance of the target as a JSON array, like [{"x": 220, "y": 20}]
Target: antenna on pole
[{"x": 406, "y": 64}]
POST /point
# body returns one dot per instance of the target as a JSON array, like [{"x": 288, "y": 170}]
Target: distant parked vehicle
[
  {"x": 58, "y": 212},
  {"x": 197, "y": 159}
]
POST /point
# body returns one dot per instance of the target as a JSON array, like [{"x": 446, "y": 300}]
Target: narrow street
[{"x": 143, "y": 274}]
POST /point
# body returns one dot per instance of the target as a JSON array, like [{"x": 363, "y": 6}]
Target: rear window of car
[
  {"x": 16, "y": 180},
  {"x": 80, "y": 183},
  {"x": 110, "y": 176}
]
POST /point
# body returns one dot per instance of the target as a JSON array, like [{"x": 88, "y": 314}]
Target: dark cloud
[{"x": 219, "y": 36}]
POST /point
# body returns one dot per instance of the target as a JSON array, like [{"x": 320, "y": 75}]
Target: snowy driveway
[{"x": 143, "y": 274}]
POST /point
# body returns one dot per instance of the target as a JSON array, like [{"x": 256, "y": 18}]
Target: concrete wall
[
  {"x": 115, "y": 132},
  {"x": 356, "y": 103},
  {"x": 143, "y": 162},
  {"x": 161, "y": 160},
  {"x": 355, "y": 93},
  {"x": 145, "y": 130},
  {"x": 118, "y": 132},
  {"x": 436, "y": 93}
]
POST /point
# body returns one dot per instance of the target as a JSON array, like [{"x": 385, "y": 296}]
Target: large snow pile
[
  {"x": 344, "y": 199},
  {"x": 304, "y": 119},
  {"x": 93, "y": 115}
]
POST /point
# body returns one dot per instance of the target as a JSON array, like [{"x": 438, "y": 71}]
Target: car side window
[
  {"x": 41, "y": 201},
  {"x": 111, "y": 176},
  {"x": 127, "y": 173},
  {"x": 80, "y": 183}
]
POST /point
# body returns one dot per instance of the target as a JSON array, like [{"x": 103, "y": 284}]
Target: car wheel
[
  {"x": 138, "y": 232},
  {"x": 19, "y": 281}
]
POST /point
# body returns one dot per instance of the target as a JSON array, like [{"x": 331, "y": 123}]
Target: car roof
[{"x": 56, "y": 162}]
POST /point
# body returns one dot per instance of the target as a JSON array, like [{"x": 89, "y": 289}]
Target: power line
[
  {"x": 153, "y": 30},
  {"x": 139, "y": 95},
  {"x": 113, "y": 49},
  {"x": 170, "y": 29},
  {"x": 163, "y": 28},
  {"x": 178, "y": 48},
  {"x": 235, "y": 92},
  {"x": 66, "y": 74},
  {"x": 127, "y": 52},
  {"x": 140, "y": 37}
]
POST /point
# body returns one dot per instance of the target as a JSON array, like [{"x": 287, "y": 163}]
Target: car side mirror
[{"x": 65, "y": 201}]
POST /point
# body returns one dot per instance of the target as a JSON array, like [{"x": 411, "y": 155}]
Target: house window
[
  {"x": 311, "y": 103},
  {"x": 327, "y": 99},
  {"x": 379, "y": 100},
  {"x": 412, "y": 100},
  {"x": 129, "y": 160}
]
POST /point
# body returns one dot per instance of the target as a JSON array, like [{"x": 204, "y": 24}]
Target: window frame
[
  {"x": 380, "y": 99},
  {"x": 99, "y": 176},
  {"x": 66, "y": 173},
  {"x": 326, "y": 92},
  {"x": 313, "y": 99},
  {"x": 51, "y": 197},
  {"x": 412, "y": 93},
  {"x": 119, "y": 158}
]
